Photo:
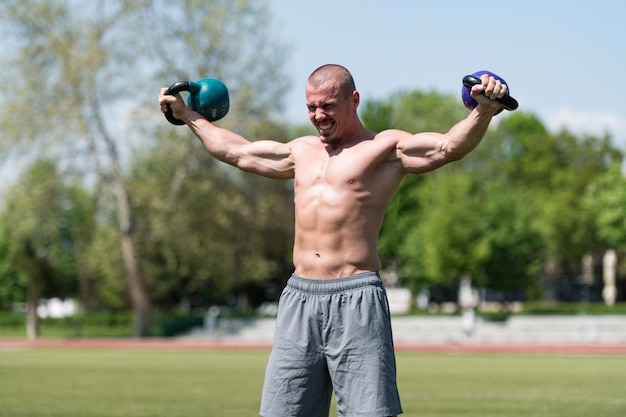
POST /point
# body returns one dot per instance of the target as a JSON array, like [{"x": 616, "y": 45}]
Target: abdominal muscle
[
  {"x": 340, "y": 201},
  {"x": 336, "y": 232}
]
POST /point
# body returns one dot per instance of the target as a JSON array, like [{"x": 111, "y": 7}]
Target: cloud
[{"x": 588, "y": 123}]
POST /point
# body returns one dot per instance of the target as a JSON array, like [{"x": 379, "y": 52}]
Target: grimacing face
[{"x": 329, "y": 109}]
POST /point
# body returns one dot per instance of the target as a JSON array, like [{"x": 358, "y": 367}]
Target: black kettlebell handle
[
  {"x": 506, "y": 100},
  {"x": 174, "y": 89}
]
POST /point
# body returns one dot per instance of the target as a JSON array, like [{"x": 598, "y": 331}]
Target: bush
[
  {"x": 99, "y": 324},
  {"x": 102, "y": 324},
  {"x": 540, "y": 308}
]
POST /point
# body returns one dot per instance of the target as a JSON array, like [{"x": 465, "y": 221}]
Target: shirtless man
[{"x": 333, "y": 328}]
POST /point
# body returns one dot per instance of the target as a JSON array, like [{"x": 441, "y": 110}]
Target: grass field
[{"x": 203, "y": 383}]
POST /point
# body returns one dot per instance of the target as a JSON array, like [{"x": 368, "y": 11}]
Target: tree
[
  {"x": 67, "y": 51},
  {"x": 13, "y": 280},
  {"x": 467, "y": 227},
  {"x": 212, "y": 224},
  {"x": 75, "y": 66},
  {"x": 234, "y": 41},
  {"x": 446, "y": 240},
  {"x": 553, "y": 171},
  {"x": 413, "y": 111},
  {"x": 511, "y": 206},
  {"x": 605, "y": 198},
  {"x": 47, "y": 226},
  {"x": 214, "y": 229}
]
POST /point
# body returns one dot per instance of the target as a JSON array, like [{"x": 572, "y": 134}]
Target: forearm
[
  {"x": 468, "y": 133},
  {"x": 219, "y": 142}
]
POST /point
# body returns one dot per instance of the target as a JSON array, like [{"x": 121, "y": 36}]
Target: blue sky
[{"x": 565, "y": 61}]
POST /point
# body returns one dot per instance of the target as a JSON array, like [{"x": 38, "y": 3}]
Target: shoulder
[
  {"x": 305, "y": 144},
  {"x": 392, "y": 136},
  {"x": 305, "y": 140},
  {"x": 391, "y": 139}
]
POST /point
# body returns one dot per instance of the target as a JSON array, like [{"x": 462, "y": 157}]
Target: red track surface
[{"x": 11, "y": 344}]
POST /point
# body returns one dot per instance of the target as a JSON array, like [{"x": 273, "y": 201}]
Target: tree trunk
[
  {"x": 32, "y": 301},
  {"x": 142, "y": 307},
  {"x": 141, "y": 304},
  {"x": 142, "y": 323}
]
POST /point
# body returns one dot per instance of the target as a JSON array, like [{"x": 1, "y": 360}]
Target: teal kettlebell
[{"x": 208, "y": 96}]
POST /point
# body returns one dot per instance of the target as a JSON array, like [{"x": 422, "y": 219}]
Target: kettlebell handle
[
  {"x": 506, "y": 100},
  {"x": 174, "y": 89}
]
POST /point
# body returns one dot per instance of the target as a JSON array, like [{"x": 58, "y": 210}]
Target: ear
[{"x": 356, "y": 98}]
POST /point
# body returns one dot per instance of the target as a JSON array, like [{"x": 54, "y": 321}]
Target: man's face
[{"x": 330, "y": 111}]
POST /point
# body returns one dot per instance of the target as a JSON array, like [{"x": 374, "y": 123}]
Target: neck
[{"x": 349, "y": 140}]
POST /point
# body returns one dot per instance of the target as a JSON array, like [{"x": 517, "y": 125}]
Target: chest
[
  {"x": 365, "y": 175},
  {"x": 350, "y": 167}
]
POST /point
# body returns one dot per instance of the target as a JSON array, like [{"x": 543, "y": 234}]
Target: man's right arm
[{"x": 267, "y": 158}]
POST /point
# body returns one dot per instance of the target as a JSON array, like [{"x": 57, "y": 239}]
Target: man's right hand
[{"x": 176, "y": 103}]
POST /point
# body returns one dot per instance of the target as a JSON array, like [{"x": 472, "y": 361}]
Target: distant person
[{"x": 333, "y": 327}]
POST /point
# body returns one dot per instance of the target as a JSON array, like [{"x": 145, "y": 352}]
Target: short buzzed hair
[{"x": 333, "y": 72}]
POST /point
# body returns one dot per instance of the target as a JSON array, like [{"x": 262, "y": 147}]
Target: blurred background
[{"x": 125, "y": 222}]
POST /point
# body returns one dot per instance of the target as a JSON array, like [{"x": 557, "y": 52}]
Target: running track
[{"x": 199, "y": 344}]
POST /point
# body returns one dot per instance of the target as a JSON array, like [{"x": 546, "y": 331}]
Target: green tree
[
  {"x": 605, "y": 198},
  {"x": 553, "y": 171},
  {"x": 86, "y": 73},
  {"x": 413, "y": 111},
  {"x": 510, "y": 207},
  {"x": 64, "y": 51},
  {"x": 446, "y": 241},
  {"x": 47, "y": 225},
  {"x": 215, "y": 229},
  {"x": 234, "y": 41},
  {"x": 515, "y": 244},
  {"x": 468, "y": 227},
  {"x": 210, "y": 229},
  {"x": 13, "y": 280}
]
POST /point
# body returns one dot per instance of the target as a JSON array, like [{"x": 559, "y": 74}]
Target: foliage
[
  {"x": 234, "y": 41},
  {"x": 539, "y": 308},
  {"x": 115, "y": 183},
  {"x": 95, "y": 324},
  {"x": 471, "y": 229},
  {"x": 215, "y": 229},
  {"x": 552, "y": 172},
  {"x": 47, "y": 226},
  {"x": 99, "y": 324},
  {"x": 90, "y": 73},
  {"x": 13, "y": 280},
  {"x": 414, "y": 112},
  {"x": 66, "y": 52},
  {"x": 501, "y": 214},
  {"x": 607, "y": 197}
]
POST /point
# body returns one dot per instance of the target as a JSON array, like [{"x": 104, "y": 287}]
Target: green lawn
[{"x": 205, "y": 383}]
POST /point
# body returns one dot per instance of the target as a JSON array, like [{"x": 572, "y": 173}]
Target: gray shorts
[{"x": 332, "y": 334}]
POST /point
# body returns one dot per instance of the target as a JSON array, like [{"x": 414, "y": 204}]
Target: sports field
[{"x": 88, "y": 382}]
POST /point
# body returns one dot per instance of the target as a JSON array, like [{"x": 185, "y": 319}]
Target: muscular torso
[{"x": 340, "y": 200}]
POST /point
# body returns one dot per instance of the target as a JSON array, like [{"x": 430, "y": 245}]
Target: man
[{"x": 333, "y": 328}]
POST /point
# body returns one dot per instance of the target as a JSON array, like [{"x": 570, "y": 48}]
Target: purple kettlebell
[{"x": 508, "y": 102}]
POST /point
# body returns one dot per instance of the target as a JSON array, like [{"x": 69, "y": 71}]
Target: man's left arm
[{"x": 424, "y": 152}]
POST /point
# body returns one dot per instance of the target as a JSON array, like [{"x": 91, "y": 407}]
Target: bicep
[
  {"x": 267, "y": 158},
  {"x": 422, "y": 152}
]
